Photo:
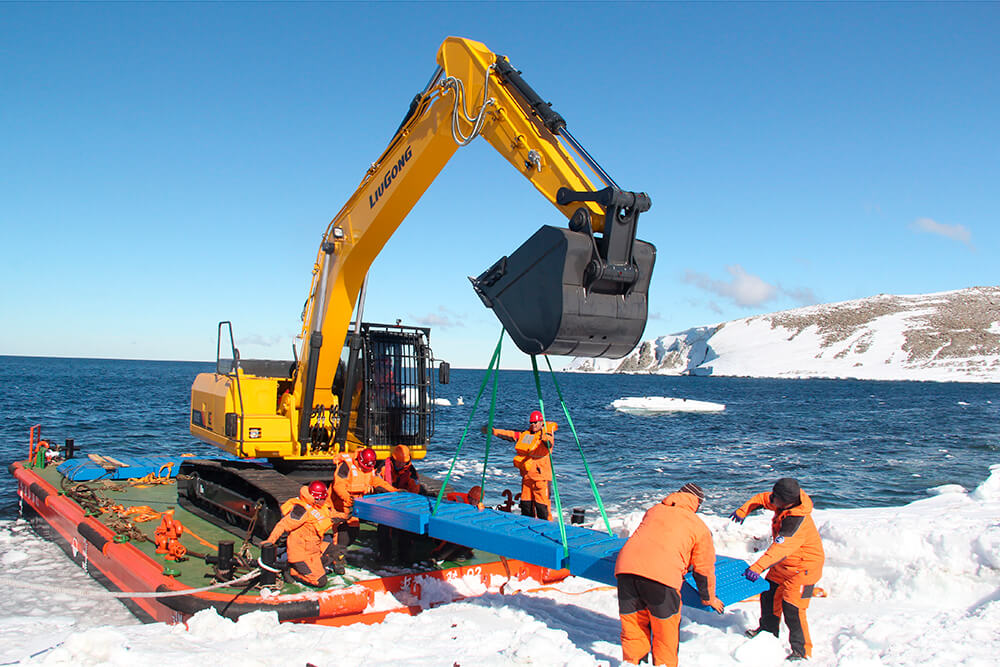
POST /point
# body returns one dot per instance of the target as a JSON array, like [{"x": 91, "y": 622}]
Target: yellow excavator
[{"x": 578, "y": 290}]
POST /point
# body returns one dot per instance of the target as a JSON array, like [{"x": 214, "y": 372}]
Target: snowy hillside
[{"x": 947, "y": 336}]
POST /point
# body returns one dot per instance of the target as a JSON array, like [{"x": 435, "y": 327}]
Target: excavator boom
[{"x": 579, "y": 290}]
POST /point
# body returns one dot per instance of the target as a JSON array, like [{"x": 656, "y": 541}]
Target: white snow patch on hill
[{"x": 948, "y": 336}]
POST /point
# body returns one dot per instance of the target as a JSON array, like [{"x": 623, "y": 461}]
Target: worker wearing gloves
[
  {"x": 532, "y": 459},
  {"x": 794, "y": 562},
  {"x": 399, "y": 472},
  {"x": 670, "y": 541},
  {"x": 305, "y": 520},
  {"x": 353, "y": 477}
]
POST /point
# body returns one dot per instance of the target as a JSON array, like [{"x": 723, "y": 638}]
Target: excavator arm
[{"x": 580, "y": 290}]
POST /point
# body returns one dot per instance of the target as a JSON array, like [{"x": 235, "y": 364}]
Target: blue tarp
[
  {"x": 85, "y": 470},
  {"x": 592, "y": 554}
]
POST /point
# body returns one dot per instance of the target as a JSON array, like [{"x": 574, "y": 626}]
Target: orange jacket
[
  {"x": 305, "y": 524},
  {"x": 797, "y": 545},
  {"x": 350, "y": 482},
  {"x": 402, "y": 477},
  {"x": 670, "y": 541},
  {"x": 531, "y": 451}
]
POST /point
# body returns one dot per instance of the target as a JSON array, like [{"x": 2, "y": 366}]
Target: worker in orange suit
[
  {"x": 305, "y": 520},
  {"x": 398, "y": 470},
  {"x": 669, "y": 542},
  {"x": 794, "y": 562},
  {"x": 353, "y": 477},
  {"x": 473, "y": 497},
  {"x": 532, "y": 457},
  {"x": 445, "y": 551}
]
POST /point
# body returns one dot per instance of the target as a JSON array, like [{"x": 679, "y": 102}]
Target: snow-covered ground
[
  {"x": 913, "y": 585},
  {"x": 655, "y": 405}
]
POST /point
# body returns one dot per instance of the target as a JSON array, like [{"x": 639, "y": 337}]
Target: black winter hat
[
  {"x": 694, "y": 490},
  {"x": 787, "y": 490}
]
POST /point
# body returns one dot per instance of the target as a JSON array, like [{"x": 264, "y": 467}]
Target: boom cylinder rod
[
  {"x": 340, "y": 436},
  {"x": 549, "y": 117},
  {"x": 582, "y": 152},
  {"x": 315, "y": 344}
]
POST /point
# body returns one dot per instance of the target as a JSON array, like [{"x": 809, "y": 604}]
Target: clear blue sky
[{"x": 164, "y": 166}]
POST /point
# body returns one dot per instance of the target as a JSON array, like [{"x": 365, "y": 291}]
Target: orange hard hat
[
  {"x": 318, "y": 491},
  {"x": 401, "y": 454},
  {"x": 536, "y": 416},
  {"x": 367, "y": 459}
]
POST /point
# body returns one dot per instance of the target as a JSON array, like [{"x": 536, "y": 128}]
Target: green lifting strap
[
  {"x": 569, "y": 420},
  {"x": 489, "y": 423},
  {"x": 495, "y": 361},
  {"x": 555, "y": 484}
]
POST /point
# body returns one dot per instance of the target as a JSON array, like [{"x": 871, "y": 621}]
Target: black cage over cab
[{"x": 396, "y": 392}]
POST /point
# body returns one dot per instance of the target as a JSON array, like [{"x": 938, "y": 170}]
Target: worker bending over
[
  {"x": 532, "y": 457},
  {"x": 305, "y": 520},
  {"x": 670, "y": 541},
  {"x": 399, "y": 472},
  {"x": 795, "y": 559},
  {"x": 445, "y": 551},
  {"x": 473, "y": 497},
  {"x": 353, "y": 477}
]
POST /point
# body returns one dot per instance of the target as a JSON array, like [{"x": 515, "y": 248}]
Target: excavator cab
[
  {"x": 570, "y": 292},
  {"x": 383, "y": 397},
  {"x": 391, "y": 397}
]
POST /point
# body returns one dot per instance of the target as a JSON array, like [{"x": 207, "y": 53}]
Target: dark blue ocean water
[{"x": 850, "y": 443}]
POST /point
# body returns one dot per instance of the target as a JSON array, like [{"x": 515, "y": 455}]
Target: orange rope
[{"x": 557, "y": 590}]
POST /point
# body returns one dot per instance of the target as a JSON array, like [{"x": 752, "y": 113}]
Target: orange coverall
[
  {"x": 350, "y": 482},
  {"x": 398, "y": 470},
  {"x": 531, "y": 458},
  {"x": 670, "y": 541},
  {"x": 306, "y": 523},
  {"x": 795, "y": 559}
]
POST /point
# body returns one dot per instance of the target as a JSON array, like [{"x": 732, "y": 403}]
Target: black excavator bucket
[{"x": 553, "y": 295}]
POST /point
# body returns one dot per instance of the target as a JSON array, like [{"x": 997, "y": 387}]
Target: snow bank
[{"x": 918, "y": 584}]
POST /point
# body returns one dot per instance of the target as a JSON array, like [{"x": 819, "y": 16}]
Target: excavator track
[{"x": 234, "y": 493}]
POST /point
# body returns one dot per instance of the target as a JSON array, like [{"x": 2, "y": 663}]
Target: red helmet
[
  {"x": 318, "y": 491},
  {"x": 367, "y": 459},
  {"x": 536, "y": 416}
]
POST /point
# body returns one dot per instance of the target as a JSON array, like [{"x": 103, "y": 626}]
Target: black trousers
[
  {"x": 771, "y": 622},
  {"x": 636, "y": 593},
  {"x": 531, "y": 508}
]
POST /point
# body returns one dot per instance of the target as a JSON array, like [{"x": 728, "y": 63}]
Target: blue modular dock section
[
  {"x": 85, "y": 470},
  {"x": 592, "y": 554},
  {"x": 730, "y": 584}
]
